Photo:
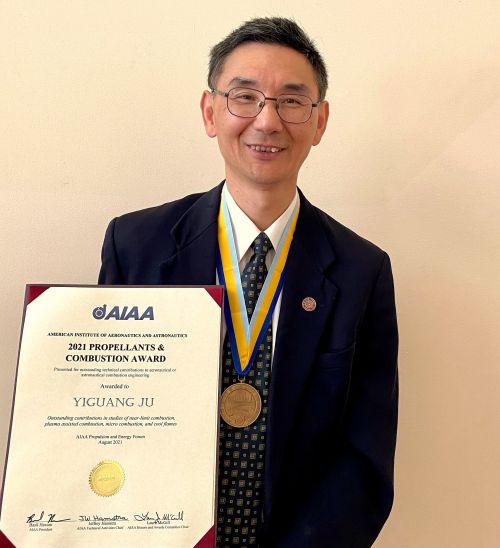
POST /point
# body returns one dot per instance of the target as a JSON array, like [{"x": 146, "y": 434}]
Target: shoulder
[
  {"x": 155, "y": 219},
  {"x": 137, "y": 243},
  {"x": 351, "y": 251},
  {"x": 152, "y": 228},
  {"x": 345, "y": 239}
]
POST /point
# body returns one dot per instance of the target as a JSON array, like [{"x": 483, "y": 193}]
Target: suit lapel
[
  {"x": 299, "y": 333},
  {"x": 195, "y": 234}
]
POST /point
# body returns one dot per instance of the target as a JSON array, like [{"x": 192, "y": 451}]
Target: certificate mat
[{"x": 113, "y": 436}]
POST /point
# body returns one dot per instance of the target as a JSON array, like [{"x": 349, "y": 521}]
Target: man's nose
[{"x": 268, "y": 120}]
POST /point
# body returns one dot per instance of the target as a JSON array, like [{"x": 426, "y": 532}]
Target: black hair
[{"x": 269, "y": 30}]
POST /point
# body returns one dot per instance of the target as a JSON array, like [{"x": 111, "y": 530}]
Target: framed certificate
[{"x": 113, "y": 437}]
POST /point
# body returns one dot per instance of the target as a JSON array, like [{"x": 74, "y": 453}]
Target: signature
[
  {"x": 51, "y": 518},
  {"x": 159, "y": 518},
  {"x": 101, "y": 518}
]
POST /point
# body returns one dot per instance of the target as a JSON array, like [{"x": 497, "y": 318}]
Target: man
[{"x": 315, "y": 467}]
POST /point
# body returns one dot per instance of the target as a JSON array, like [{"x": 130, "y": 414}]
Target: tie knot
[{"x": 262, "y": 244}]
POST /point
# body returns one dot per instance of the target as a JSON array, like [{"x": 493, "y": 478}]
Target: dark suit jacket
[{"x": 333, "y": 396}]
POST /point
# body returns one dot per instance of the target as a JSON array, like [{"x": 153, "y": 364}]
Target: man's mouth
[{"x": 261, "y": 148}]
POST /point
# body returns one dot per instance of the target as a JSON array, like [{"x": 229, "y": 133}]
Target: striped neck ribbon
[{"x": 244, "y": 336}]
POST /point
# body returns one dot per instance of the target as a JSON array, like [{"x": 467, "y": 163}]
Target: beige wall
[{"x": 99, "y": 115}]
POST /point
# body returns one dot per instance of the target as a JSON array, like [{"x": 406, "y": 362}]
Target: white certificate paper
[{"x": 113, "y": 436}]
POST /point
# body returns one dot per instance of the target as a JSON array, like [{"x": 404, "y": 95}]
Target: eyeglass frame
[{"x": 275, "y": 99}]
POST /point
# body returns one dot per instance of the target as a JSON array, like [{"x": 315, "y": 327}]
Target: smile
[{"x": 261, "y": 148}]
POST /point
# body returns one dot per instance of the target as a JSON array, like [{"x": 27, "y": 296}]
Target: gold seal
[
  {"x": 240, "y": 405},
  {"x": 107, "y": 478}
]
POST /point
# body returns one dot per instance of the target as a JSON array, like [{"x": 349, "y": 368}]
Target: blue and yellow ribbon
[{"x": 244, "y": 336}]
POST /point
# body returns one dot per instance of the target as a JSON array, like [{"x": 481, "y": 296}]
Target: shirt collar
[{"x": 245, "y": 231}]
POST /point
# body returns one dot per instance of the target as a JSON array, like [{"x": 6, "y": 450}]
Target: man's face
[{"x": 274, "y": 70}]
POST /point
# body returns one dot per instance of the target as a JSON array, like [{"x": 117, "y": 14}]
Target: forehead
[{"x": 269, "y": 67}]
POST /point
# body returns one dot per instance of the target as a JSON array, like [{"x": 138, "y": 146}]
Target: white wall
[{"x": 99, "y": 115}]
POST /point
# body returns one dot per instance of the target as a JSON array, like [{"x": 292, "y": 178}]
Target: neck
[{"x": 261, "y": 205}]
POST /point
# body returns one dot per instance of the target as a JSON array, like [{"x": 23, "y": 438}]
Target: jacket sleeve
[
  {"x": 352, "y": 500},
  {"x": 110, "y": 273}
]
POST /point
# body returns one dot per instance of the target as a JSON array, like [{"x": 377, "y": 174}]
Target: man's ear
[
  {"x": 207, "y": 111},
  {"x": 323, "y": 114}
]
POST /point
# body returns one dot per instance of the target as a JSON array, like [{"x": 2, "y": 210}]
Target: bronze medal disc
[{"x": 240, "y": 405}]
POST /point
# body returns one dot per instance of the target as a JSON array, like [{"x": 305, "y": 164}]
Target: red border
[
  {"x": 207, "y": 540},
  {"x": 5, "y": 542},
  {"x": 34, "y": 291},
  {"x": 216, "y": 292}
]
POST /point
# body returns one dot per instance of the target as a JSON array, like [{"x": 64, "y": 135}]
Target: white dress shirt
[{"x": 245, "y": 232}]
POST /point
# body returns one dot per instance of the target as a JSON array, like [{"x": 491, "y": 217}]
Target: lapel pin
[{"x": 309, "y": 304}]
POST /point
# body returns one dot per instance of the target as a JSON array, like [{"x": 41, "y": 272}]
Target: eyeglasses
[{"x": 248, "y": 103}]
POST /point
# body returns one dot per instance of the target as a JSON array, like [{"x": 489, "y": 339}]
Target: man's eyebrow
[
  {"x": 241, "y": 81},
  {"x": 292, "y": 86}
]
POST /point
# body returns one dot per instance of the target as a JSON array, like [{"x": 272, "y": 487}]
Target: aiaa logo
[{"x": 122, "y": 313}]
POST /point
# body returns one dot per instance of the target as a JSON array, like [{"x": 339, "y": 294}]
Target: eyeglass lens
[{"x": 248, "y": 103}]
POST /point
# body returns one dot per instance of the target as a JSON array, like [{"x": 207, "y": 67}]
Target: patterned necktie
[{"x": 241, "y": 450}]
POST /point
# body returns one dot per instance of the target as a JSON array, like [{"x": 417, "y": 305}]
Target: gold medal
[
  {"x": 107, "y": 478},
  {"x": 240, "y": 405}
]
